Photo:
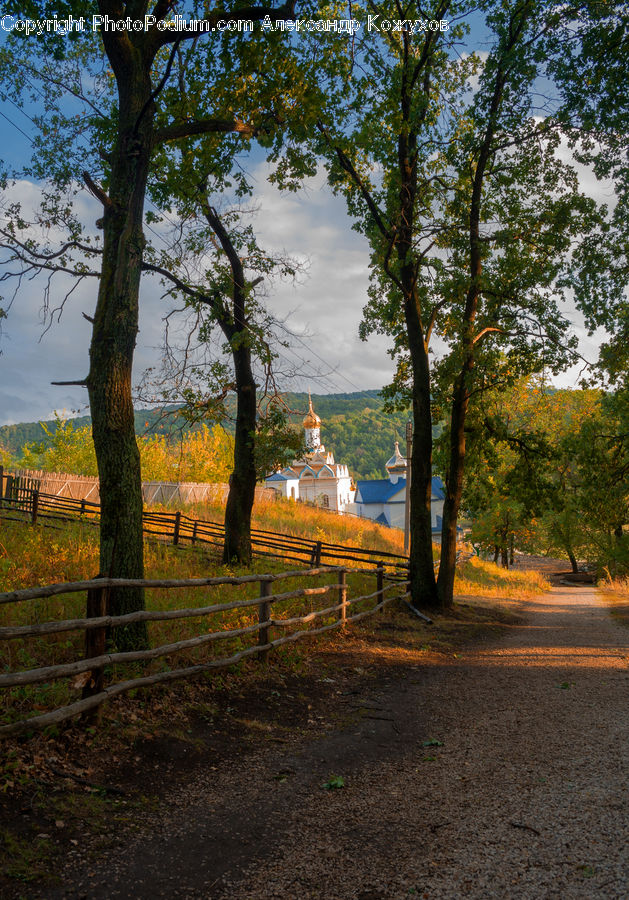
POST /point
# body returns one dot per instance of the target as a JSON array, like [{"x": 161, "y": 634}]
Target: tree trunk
[
  {"x": 111, "y": 354},
  {"x": 421, "y": 564},
  {"x": 461, "y": 395},
  {"x": 242, "y": 484},
  {"x": 454, "y": 491},
  {"x": 573, "y": 561},
  {"x": 504, "y": 557},
  {"x": 496, "y": 553}
]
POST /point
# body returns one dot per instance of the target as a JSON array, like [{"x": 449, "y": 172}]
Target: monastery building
[{"x": 315, "y": 478}]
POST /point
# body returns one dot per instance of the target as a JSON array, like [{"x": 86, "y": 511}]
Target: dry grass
[
  {"x": 301, "y": 520},
  {"x": 38, "y": 556},
  {"x": 481, "y": 578},
  {"x": 41, "y": 556},
  {"x": 616, "y": 592}
]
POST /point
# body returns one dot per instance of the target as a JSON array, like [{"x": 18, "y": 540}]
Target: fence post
[
  {"x": 34, "y": 507},
  {"x": 97, "y": 602},
  {"x": 380, "y": 583},
  {"x": 177, "y": 527},
  {"x": 1, "y": 484},
  {"x": 264, "y": 614},
  {"x": 82, "y": 508},
  {"x": 343, "y": 597},
  {"x": 194, "y": 532},
  {"x": 316, "y": 555}
]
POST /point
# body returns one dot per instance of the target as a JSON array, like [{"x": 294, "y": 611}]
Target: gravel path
[{"x": 525, "y": 797}]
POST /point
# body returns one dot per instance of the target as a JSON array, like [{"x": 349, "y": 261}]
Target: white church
[{"x": 315, "y": 478}]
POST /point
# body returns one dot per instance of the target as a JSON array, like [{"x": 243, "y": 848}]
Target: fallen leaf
[{"x": 81, "y": 680}]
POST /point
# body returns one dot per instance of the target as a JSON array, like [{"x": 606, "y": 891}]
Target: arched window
[{"x": 325, "y": 501}]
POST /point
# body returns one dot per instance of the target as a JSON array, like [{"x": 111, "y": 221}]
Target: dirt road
[{"x": 501, "y": 773}]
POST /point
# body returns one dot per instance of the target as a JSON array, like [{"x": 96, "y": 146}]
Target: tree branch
[
  {"x": 348, "y": 166},
  {"x": 204, "y": 126}
]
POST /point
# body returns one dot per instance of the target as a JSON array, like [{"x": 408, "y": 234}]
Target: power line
[{"x": 11, "y": 122}]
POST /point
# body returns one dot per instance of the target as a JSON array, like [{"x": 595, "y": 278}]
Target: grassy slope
[{"x": 40, "y": 556}]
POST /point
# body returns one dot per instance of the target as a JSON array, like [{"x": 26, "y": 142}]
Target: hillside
[{"x": 354, "y": 427}]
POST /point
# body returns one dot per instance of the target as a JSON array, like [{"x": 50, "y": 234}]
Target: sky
[{"x": 323, "y": 309}]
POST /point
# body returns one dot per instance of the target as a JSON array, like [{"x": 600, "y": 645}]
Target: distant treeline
[{"x": 354, "y": 427}]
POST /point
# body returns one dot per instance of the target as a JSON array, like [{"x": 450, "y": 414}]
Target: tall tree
[
  {"x": 517, "y": 214},
  {"x": 403, "y": 95},
  {"x": 128, "y": 129},
  {"x": 453, "y": 168}
]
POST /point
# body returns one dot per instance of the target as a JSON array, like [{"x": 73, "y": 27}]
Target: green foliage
[
  {"x": 6, "y": 459},
  {"x": 355, "y": 427},
  {"x": 334, "y": 783},
  {"x": 68, "y": 449},
  {"x": 548, "y": 469},
  {"x": 200, "y": 455}
]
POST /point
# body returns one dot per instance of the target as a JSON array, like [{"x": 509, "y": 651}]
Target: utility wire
[{"x": 21, "y": 130}]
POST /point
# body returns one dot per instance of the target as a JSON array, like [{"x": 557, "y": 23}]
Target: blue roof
[
  {"x": 382, "y": 519},
  {"x": 276, "y": 477},
  {"x": 379, "y": 490},
  {"x": 437, "y": 488}
]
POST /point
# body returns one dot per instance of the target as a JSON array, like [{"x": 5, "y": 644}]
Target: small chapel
[{"x": 315, "y": 478}]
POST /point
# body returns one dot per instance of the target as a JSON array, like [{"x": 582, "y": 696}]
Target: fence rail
[
  {"x": 26, "y": 502},
  {"x": 342, "y": 611}
]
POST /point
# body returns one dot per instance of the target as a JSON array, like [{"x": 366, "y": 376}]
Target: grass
[
  {"x": 616, "y": 592},
  {"x": 480, "y": 578},
  {"x": 301, "y": 520},
  {"x": 31, "y": 556}
]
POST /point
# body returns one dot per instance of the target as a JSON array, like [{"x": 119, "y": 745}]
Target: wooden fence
[
  {"x": 91, "y": 665},
  {"x": 182, "y": 530}
]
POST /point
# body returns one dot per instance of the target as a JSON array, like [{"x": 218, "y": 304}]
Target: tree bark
[
  {"x": 421, "y": 564},
  {"x": 573, "y": 561},
  {"x": 453, "y": 491},
  {"x": 242, "y": 484},
  {"x": 113, "y": 343}
]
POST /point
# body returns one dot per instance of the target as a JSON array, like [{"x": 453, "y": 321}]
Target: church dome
[
  {"x": 311, "y": 419},
  {"x": 397, "y": 461}
]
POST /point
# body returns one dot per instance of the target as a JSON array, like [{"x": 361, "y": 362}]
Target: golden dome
[{"x": 311, "y": 419}]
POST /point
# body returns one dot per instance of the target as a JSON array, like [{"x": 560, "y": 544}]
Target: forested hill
[{"x": 354, "y": 427}]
